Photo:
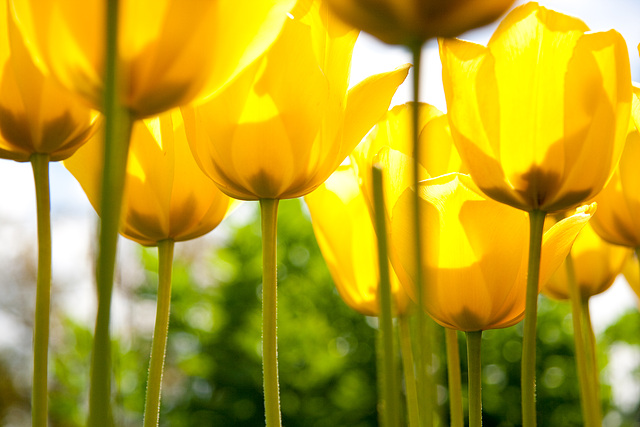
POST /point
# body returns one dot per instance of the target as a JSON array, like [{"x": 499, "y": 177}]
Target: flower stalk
[
  {"x": 454, "y": 377},
  {"x": 39, "y": 395},
  {"x": 474, "y": 340},
  {"x": 118, "y": 127},
  {"x": 160, "y": 332},
  {"x": 587, "y": 397},
  {"x": 390, "y": 390},
  {"x": 528, "y": 369},
  {"x": 423, "y": 356},
  {"x": 269, "y": 215},
  {"x": 413, "y": 409}
]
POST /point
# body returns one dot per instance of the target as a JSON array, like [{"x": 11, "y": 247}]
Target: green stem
[
  {"x": 584, "y": 376},
  {"x": 592, "y": 361},
  {"x": 528, "y": 375},
  {"x": 160, "y": 332},
  {"x": 409, "y": 371},
  {"x": 423, "y": 353},
  {"x": 390, "y": 391},
  {"x": 474, "y": 340},
  {"x": 39, "y": 411},
  {"x": 117, "y": 134},
  {"x": 269, "y": 214},
  {"x": 455, "y": 378}
]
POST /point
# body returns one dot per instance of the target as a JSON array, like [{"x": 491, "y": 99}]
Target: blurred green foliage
[{"x": 213, "y": 374}]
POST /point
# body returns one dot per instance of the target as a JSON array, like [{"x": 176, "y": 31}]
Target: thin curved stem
[
  {"x": 409, "y": 371},
  {"x": 424, "y": 347},
  {"x": 474, "y": 340},
  {"x": 528, "y": 375},
  {"x": 160, "y": 332},
  {"x": 390, "y": 390},
  {"x": 454, "y": 377},
  {"x": 117, "y": 135},
  {"x": 584, "y": 375},
  {"x": 269, "y": 214},
  {"x": 592, "y": 361},
  {"x": 39, "y": 392}
]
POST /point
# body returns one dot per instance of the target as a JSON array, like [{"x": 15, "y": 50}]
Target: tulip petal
[
  {"x": 557, "y": 241},
  {"x": 367, "y": 102}
]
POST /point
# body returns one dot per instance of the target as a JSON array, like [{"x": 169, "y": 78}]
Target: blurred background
[{"x": 213, "y": 373}]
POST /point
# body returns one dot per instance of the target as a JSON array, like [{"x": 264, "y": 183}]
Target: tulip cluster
[{"x": 164, "y": 112}]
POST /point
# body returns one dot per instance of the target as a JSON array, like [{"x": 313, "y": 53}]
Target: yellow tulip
[
  {"x": 389, "y": 144},
  {"x": 170, "y": 51},
  {"x": 596, "y": 264},
  {"x": 347, "y": 240},
  {"x": 415, "y": 21},
  {"x": 541, "y": 113},
  {"x": 474, "y": 258},
  {"x": 167, "y": 197},
  {"x": 618, "y": 219},
  {"x": 283, "y": 126},
  {"x": 36, "y": 115}
]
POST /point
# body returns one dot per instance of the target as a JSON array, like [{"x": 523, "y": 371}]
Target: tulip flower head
[
  {"x": 474, "y": 256},
  {"x": 170, "y": 51},
  {"x": 617, "y": 220},
  {"x": 283, "y": 126},
  {"x": 539, "y": 115},
  {"x": 167, "y": 197},
  {"x": 415, "y": 21},
  {"x": 347, "y": 240},
  {"x": 596, "y": 265},
  {"x": 36, "y": 115},
  {"x": 389, "y": 145}
]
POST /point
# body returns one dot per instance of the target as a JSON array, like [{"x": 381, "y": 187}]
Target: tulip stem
[
  {"x": 424, "y": 352},
  {"x": 117, "y": 134},
  {"x": 455, "y": 378},
  {"x": 474, "y": 340},
  {"x": 269, "y": 214},
  {"x": 390, "y": 390},
  {"x": 39, "y": 403},
  {"x": 409, "y": 371},
  {"x": 160, "y": 332},
  {"x": 587, "y": 396},
  {"x": 592, "y": 361},
  {"x": 528, "y": 375}
]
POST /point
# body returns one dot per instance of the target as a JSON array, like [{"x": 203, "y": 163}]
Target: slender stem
[
  {"x": 423, "y": 353},
  {"x": 586, "y": 387},
  {"x": 269, "y": 213},
  {"x": 455, "y": 378},
  {"x": 528, "y": 376},
  {"x": 409, "y": 371},
  {"x": 117, "y": 134},
  {"x": 474, "y": 340},
  {"x": 592, "y": 361},
  {"x": 39, "y": 411},
  {"x": 160, "y": 332},
  {"x": 390, "y": 390}
]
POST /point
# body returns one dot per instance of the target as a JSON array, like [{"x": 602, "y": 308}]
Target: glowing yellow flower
[
  {"x": 475, "y": 260},
  {"x": 407, "y": 22},
  {"x": 540, "y": 114},
  {"x": 36, "y": 115},
  {"x": 166, "y": 195},
  {"x": 283, "y": 126},
  {"x": 389, "y": 144},
  {"x": 596, "y": 264},
  {"x": 618, "y": 219},
  {"x": 170, "y": 50},
  {"x": 347, "y": 239}
]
